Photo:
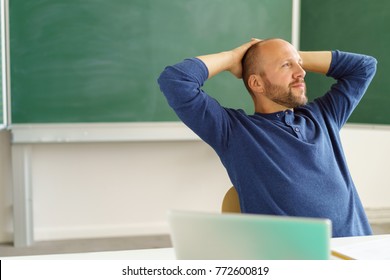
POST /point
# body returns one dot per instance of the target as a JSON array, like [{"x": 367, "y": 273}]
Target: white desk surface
[{"x": 169, "y": 254}]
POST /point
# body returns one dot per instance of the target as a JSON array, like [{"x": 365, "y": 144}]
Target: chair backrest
[{"x": 231, "y": 203}]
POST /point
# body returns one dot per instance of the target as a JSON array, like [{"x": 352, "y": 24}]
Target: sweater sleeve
[
  {"x": 182, "y": 86},
  {"x": 353, "y": 73}
]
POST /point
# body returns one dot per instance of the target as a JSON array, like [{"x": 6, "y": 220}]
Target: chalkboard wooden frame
[{"x": 4, "y": 75}]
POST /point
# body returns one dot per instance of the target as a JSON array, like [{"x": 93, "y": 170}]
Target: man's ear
[{"x": 255, "y": 83}]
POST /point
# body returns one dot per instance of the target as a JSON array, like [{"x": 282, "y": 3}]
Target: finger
[{"x": 252, "y": 42}]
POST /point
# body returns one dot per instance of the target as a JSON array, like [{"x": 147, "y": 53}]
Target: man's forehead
[{"x": 279, "y": 50}]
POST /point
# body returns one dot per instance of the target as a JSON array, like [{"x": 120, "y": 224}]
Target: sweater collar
[{"x": 277, "y": 115}]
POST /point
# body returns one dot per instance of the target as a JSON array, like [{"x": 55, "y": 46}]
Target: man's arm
[
  {"x": 182, "y": 86},
  {"x": 318, "y": 61},
  {"x": 227, "y": 61},
  {"x": 353, "y": 74}
]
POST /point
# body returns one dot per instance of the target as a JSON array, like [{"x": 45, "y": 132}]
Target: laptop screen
[{"x": 201, "y": 235}]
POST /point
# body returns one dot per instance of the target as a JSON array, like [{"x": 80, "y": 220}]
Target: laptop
[{"x": 215, "y": 236}]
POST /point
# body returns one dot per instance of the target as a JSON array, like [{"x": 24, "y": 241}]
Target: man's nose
[{"x": 299, "y": 72}]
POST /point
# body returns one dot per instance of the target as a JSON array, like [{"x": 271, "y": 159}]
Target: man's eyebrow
[{"x": 300, "y": 60}]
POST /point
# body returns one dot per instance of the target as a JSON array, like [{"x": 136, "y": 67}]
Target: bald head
[{"x": 257, "y": 55}]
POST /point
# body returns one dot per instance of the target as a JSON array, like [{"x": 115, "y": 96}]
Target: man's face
[{"x": 283, "y": 76}]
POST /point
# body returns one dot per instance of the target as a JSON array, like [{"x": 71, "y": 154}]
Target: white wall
[
  {"x": 115, "y": 189},
  {"x": 5, "y": 187},
  {"x": 106, "y": 189},
  {"x": 367, "y": 149}
]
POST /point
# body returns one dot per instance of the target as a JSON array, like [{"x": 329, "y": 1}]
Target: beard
[{"x": 283, "y": 96}]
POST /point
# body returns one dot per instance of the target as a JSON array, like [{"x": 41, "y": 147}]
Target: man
[{"x": 286, "y": 158}]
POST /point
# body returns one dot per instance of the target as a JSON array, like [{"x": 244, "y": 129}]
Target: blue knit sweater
[{"x": 285, "y": 163}]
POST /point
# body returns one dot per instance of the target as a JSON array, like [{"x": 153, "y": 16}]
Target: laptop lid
[{"x": 201, "y": 235}]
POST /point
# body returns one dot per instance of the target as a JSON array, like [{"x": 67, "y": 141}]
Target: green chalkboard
[
  {"x": 360, "y": 26},
  {"x": 98, "y": 60}
]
